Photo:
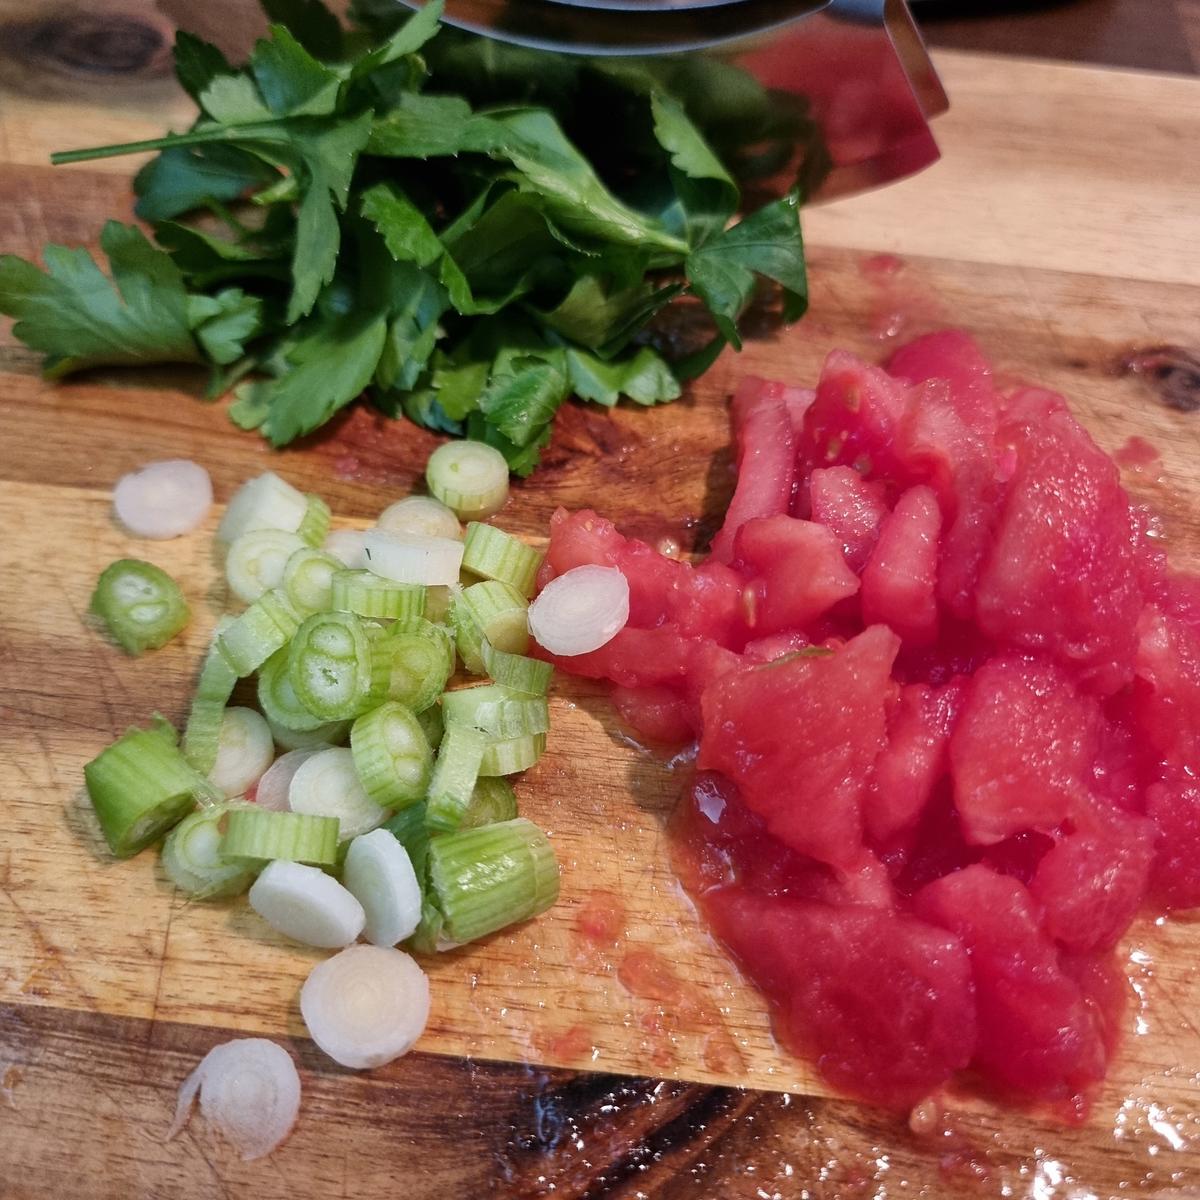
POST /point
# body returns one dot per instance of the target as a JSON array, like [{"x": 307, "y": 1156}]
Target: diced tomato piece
[
  {"x": 882, "y": 1002},
  {"x": 634, "y": 658},
  {"x": 1061, "y": 577},
  {"x": 762, "y": 428},
  {"x": 799, "y": 737},
  {"x": 955, "y": 358},
  {"x": 797, "y": 401},
  {"x": 708, "y": 601},
  {"x": 1166, "y": 695},
  {"x": 797, "y": 572},
  {"x": 854, "y": 419},
  {"x": 900, "y": 577},
  {"x": 658, "y": 713},
  {"x": 775, "y": 645},
  {"x": 1021, "y": 749},
  {"x": 1105, "y": 990},
  {"x": 1173, "y": 804},
  {"x": 1036, "y": 1033},
  {"x": 1091, "y": 883},
  {"x": 913, "y": 759},
  {"x": 580, "y": 539},
  {"x": 851, "y": 506}
]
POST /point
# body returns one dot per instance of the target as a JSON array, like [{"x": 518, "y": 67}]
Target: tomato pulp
[{"x": 947, "y": 701}]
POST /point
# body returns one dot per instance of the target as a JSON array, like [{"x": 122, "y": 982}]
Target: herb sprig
[{"x": 465, "y": 234}]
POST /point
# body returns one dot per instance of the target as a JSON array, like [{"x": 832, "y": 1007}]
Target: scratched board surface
[{"x": 602, "y": 1049}]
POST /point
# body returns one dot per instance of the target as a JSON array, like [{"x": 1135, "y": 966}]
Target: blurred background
[{"x": 49, "y": 45}]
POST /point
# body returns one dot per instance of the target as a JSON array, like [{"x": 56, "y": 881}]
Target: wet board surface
[{"x": 559, "y": 1060}]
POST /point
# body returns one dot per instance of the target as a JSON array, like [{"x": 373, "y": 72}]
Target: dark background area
[{"x": 1161, "y": 35}]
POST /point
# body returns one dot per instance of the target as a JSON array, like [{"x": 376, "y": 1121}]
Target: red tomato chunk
[{"x": 946, "y": 694}]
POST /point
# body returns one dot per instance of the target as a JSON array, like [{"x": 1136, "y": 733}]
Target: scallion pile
[{"x": 388, "y": 816}]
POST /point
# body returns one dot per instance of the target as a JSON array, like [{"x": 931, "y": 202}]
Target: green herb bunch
[{"x": 468, "y": 232}]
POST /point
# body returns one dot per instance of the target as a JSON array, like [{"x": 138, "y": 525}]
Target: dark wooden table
[{"x": 1157, "y": 35}]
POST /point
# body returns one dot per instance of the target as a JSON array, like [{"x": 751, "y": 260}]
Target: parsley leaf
[
  {"x": 766, "y": 243},
  {"x": 79, "y": 318},
  {"x": 473, "y": 231}
]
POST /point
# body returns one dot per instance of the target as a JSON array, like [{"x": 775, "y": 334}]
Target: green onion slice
[
  {"x": 328, "y": 785},
  {"x": 454, "y": 776},
  {"x": 192, "y": 858},
  {"x": 266, "y": 626},
  {"x": 202, "y": 734},
  {"x": 408, "y": 827},
  {"x": 391, "y": 755},
  {"x": 484, "y": 879},
  {"x": 498, "y": 712},
  {"x": 519, "y": 674},
  {"x": 265, "y": 502},
  {"x": 420, "y": 661},
  {"x": 308, "y": 579},
  {"x": 332, "y": 666},
  {"x": 370, "y": 595},
  {"x": 494, "y": 554},
  {"x": 492, "y": 800},
  {"x": 256, "y": 561},
  {"x": 277, "y": 698},
  {"x": 321, "y": 738},
  {"x": 469, "y": 477},
  {"x": 433, "y": 725},
  {"x": 141, "y": 786},
  {"x": 489, "y": 611},
  {"x": 140, "y": 604},
  {"x": 262, "y": 836},
  {"x": 510, "y": 755},
  {"x": 314, "y": 525},
  {"x": 420, "y": 514}
]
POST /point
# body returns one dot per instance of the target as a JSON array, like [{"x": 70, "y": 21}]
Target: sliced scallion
[
  {"x": 413, "y": 557},
  {"x": 314, "y": 525},
  {"x": 427, "y": 937},
  {"x": 518, "y": 673},
  {"x": 484, "y": 879},
  {"x": 332, "y": 665},
  {"x": 324, "y": 736},
  {"x": 492, "y": 800},
  {"x": 493, "y": 612},
  {"x": 370, "y": 595},
  {"x": 492, "y": 553},
  {"x": 433, "y": 725},
  {"x": 391, "y": 755},
  {"x": 347, "y": 546},
  {"x": 267, "y": 625},
  {"x": 510, "y": 755},
  {"x": 327, "y": 785},
  {"x": 140, "y": 605},
  {"x": 469, "y": 477},
  {"x": 420, "y": 514},
  {"x": 409, "y": 829},
  {"x": 140, "y": 787},
  {"x": 498, "y": 712},
  {"x": 245, "y": 749},
  {"x": 192, "y": 858},
  {"x": 213, "y": 689},
  {"x": 420, "y": 661},
  {"x": 454, "y": 776},
  {"x": 307, "y": 905},
  {"x": 259, "y": 835},
  {"x": 380, "y": 875},
  {"x": 265, "y": 502},
  {"x": 308, "y": 579},
  {"x": 277, "y": 698},
  {"x": 256, "y": 561}
]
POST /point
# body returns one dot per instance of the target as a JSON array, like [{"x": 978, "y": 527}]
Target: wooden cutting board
[{"x": 1061, "y": 227}]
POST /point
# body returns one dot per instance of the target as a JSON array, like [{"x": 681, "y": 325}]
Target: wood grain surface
[{"x": 554, "y": 1065}]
